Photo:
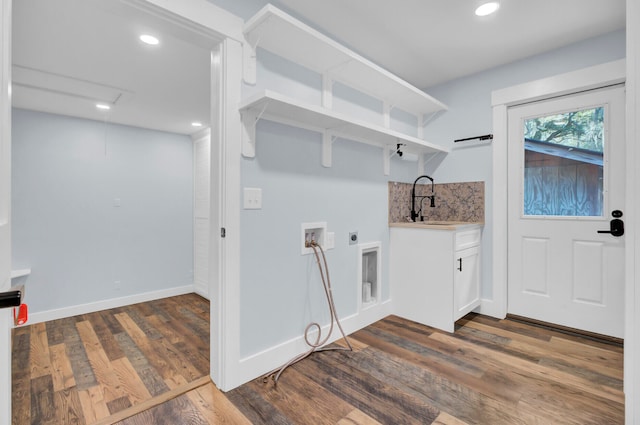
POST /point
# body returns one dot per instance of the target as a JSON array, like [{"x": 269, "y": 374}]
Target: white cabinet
[
  {"x": 435, "y": 273},
  {"x": 466, "y": 288}
]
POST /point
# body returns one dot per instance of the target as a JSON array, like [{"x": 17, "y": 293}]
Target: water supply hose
[{"x": 318, "y": 344}]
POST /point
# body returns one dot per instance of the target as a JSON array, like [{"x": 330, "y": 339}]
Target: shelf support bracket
[
  {"x": 327, "y": 91},
  {"x": 250, "y": 119},
  {"x": 327, "y": 148},
  {"x": 386, "y": 160},
  {"x": 386, "y": 114},
  {"x": 249, "y": 61},
  {"x": 426, "y": 119},
  {"x": 421, "y": 164}
]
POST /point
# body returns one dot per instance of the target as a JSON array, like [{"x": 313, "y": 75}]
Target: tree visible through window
[{"x": 564, "y": 163}]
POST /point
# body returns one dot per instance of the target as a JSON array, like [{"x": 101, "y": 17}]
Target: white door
[{"x": 566, "y": 179}]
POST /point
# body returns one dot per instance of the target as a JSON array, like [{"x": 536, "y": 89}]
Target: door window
[{"x": 564, "y": 163}]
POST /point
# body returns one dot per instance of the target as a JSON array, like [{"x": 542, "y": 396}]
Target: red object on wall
[{"x": 20, "y": 316}]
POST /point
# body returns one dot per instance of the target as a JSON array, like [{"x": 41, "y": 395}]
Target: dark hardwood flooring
[{"x": 83, "y": 370}]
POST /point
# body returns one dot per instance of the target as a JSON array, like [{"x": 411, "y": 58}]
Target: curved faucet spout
[{"x": 414, "y": 213}]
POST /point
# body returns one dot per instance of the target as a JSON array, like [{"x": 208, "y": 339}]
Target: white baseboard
[
  {"x": 261, "y": 363},
  {"x": 491, "y": 308},
  {"x": 201, "y": 290},
  {"x": 61, "y": 313}
]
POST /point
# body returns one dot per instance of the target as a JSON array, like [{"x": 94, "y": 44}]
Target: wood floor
[
  {"x": 86, "y": 368},
  {"x": 488, "y": 372}
]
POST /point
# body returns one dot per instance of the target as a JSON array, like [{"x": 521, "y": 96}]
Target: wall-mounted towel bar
[{"x": 479, "y": 138}]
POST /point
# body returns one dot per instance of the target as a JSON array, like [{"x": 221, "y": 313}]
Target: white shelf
[
  {"x": 20, "y": 273},
  {"x": 279, "y": 33},
  {"x": 276, "y": 107}
]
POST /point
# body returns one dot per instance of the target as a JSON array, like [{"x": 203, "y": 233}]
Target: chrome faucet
[{"x": 414, "y": 213}]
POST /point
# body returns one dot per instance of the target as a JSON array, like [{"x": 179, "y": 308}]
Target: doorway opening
[{"x": 120, "y": 96}]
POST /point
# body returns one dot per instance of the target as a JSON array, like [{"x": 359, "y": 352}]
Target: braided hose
[{"x": 319, "y": 342}]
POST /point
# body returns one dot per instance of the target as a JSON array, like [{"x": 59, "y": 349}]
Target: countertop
[{"x": 438, "y": 225}]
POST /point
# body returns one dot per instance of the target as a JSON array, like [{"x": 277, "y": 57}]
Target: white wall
[
  {"x": 281, "y": 290},
  {"x": 470, "y": 114},
  {"x": 67, "y": 175}
]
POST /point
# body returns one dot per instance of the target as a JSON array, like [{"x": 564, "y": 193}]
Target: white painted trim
[
  {"x": 200, "y": 12},
  {"x": 224, "y": 267},
  {"x": 489, "y": 307},
  {"x": 271, "y": 358},
  {"x": 365, "y": 248},
  {"x": 61, "y": 313},
  {"x": 5, "y": 207},
  {"x": 576, "y": 81},
  {"x": 632, "y": 307},
  {"x": 201, "y": 134},
  {"x": 201, "y": 290},
  {"x": 216, "y": 196},
  {"x": 571, "y": 82},
  {"x": 15, "y": 274},
  {"x": 499, "y": 219},
  {"x": 225, "y": 291}
]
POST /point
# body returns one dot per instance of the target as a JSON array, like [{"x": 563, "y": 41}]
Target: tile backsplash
[{"x": 454, "y": 201}]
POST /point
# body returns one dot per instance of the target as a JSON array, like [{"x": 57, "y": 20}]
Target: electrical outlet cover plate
[{"x": 353, "y": 238}]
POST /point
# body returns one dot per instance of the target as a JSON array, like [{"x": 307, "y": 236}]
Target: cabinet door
[{"x": 466, "y": 292}]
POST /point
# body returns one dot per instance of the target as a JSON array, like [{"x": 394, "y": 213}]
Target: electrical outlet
[
  {"x": 353, "y": 238},
  {"x": 117, "y": 285}
]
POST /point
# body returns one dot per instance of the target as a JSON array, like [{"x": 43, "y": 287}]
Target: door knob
[{"x": 616, "y": 228}]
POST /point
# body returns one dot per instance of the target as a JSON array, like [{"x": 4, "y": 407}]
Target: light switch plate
[{"x": 252, "y": 198}]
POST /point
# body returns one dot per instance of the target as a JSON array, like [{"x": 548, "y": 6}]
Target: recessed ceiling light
[
  {"x": 196, "y": 124},
  {"x": 149, "y": 39},
  {"x": 103, "y": 106},
  {"x": 487, "y": 8}
]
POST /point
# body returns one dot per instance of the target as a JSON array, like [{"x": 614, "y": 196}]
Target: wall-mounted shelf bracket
[
  {"x": 250, "y": 118},
  {"x": 327, "y": 144},
  {"x": 386, "y": 159},
  {"x": 427, "y": 118},
  {"x": 389, "y": 152},
  {"x": 249, "y": 133},
  {"x": 386, "y": 114},
  {"x": 424, "y": 160},
  {"x": 249, "y": 62},
  {"x": 327, "y": 90}
]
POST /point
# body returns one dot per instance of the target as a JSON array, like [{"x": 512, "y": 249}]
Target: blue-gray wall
[
  {"x": 67, "y": 174},
  {"x": 470, "y": 114},
  {"x": 281, "y": 290}
]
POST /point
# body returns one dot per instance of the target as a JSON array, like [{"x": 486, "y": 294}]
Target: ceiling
[
  {"x": 68, "y": 54},
  {"x": 428, "y": 42}
]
